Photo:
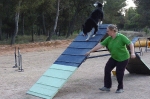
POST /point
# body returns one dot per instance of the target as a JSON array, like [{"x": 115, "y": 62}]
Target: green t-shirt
[{"x": 117, "y": 47}]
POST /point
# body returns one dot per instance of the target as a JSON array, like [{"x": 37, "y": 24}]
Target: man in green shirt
[{"x": 116, "y": 44}]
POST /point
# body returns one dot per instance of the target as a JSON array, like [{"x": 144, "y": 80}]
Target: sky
[{"x": 130, "y": 3}]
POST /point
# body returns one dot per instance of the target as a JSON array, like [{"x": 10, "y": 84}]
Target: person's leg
[
  {"x": 88, "y": 35},
  {"x": 120, "y": 68},
  {"x": 95, "y": 29},
  {"x": 107, "y": 76}
]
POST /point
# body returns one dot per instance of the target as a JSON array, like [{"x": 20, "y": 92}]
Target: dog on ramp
[{"x": 94, "y": 20}]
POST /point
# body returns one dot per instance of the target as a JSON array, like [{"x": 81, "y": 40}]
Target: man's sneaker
[
  {"x": 119, "y": 91},
  {"x": 104, "y": 89}
]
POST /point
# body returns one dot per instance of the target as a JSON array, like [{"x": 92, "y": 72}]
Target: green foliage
[
  {"x": 146, "y": 30},
  {"x": 27, "y": 39},
  {"x": 38, "y": 17},
  {"x": 143, "y": 10},
  {"x": 113, "y": 10}
]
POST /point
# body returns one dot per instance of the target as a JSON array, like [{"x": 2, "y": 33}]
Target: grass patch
[{"x": 28, "y": 39}]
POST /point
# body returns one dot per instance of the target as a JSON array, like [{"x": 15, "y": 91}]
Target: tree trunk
[
  {"x": 0, "y": 28},
  {"x": 43, "y": 21},
  {"x": 33, "y": 33},
  {"x": 57, "y": 15},
  {"x": 16, "y": 25},
  {"x": 56, "y": 21},
  {"x": 70, "y": 30},
  {"x": 22, "y": 24}
]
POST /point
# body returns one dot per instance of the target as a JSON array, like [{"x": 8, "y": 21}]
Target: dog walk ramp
[
  {"x": 66, "y": 64},
  {"x": 139, "y": 64}
]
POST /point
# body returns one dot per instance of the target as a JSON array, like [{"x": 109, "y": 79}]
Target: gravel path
[{"x": 83, "y": 84}]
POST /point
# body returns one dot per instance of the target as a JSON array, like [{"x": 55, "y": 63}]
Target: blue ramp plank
[
  {"x": 101, "y": 31},
  {"x": 62, "y": 67},
  {"x": 83, "y": 38},
  {"x": 71, "y": 58},
  {"x": 135, "y": 39},
  {"x": 83, "y": 44},
  {"x": 67, "y": 63},
  {"x": 75, "y": 51},
  {"x": 103, "y": 26},
  {"x": 99, "y": 35}
]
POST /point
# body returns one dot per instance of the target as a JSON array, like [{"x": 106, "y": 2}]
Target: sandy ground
[{"x": 83, "y": 84}]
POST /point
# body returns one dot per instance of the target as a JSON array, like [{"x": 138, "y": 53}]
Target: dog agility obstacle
[
  {"x": 18, "y": 60},
  {"x": 70, "y": 60}
]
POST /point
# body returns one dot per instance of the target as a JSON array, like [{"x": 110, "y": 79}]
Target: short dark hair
[{"x": 113, "y": 27}]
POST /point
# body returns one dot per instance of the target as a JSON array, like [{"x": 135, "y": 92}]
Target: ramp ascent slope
[{"x": 66, "y": 64}]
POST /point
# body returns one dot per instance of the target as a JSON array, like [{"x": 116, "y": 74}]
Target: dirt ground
[{"x": 83, "y": 84}]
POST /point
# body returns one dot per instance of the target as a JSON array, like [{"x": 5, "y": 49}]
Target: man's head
[
  {"x": 112, "y": 29},
  {"x": 98, "y": 4}
]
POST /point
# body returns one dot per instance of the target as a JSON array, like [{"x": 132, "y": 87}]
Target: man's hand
[{"x": 133, "y": 56}]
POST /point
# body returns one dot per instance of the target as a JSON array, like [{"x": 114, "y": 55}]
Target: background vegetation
[{"x": 23, "y": 21}]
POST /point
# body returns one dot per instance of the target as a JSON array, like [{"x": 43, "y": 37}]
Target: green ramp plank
[
  {"x": 42, "y": 91},
  {"x": 51, "y": 81}
]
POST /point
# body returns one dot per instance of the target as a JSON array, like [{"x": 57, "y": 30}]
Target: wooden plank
[
  {"x": 39, "y": 95},
  {"x": 82, "y": 38},
  {"x": 57, "y": 73},
  {"x": 85, "y": 45},
  {"x": 50, "y": 81},
  {"x": 75, "y": 51},
  {"x": 67, "y": 63},
  {"x": 63, "y": 67},
  {"x": 43, "y": 90},
  {"x": 71, "y": 58}
]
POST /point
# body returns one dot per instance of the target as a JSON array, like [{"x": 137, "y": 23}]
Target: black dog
[{"x": 93, "y": 21}]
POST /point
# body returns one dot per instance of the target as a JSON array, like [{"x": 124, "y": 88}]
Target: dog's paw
[
  {"x": 93, "y": 35},
  {"x": 87, "y": 40},
  {"x": 84, "y": 34}
]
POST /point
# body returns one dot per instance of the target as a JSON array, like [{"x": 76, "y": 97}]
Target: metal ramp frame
[{"x": 66, "y": 64}]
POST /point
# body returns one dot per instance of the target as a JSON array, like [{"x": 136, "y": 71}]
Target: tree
[
  {"x": 16, "y": 22},
  {"x": 56, "y": 20},
  {"x": 113, "y": 10},
  {"x": 77, "y": 8},
  {"x": 132, "y": 19},
  {"x": 1, "y": 6},
  {"x": 144, "y": 12}
]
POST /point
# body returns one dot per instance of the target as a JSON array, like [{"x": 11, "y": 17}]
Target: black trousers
[{"x": 120, "y": 68}]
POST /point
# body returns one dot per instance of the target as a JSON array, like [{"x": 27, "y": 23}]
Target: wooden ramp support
[{"x": 66, "y": 64}]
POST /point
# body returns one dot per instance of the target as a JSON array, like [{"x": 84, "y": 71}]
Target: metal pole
[
  {"x": 19, "y": 61},
  {"x": 15, "y": 59}
]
